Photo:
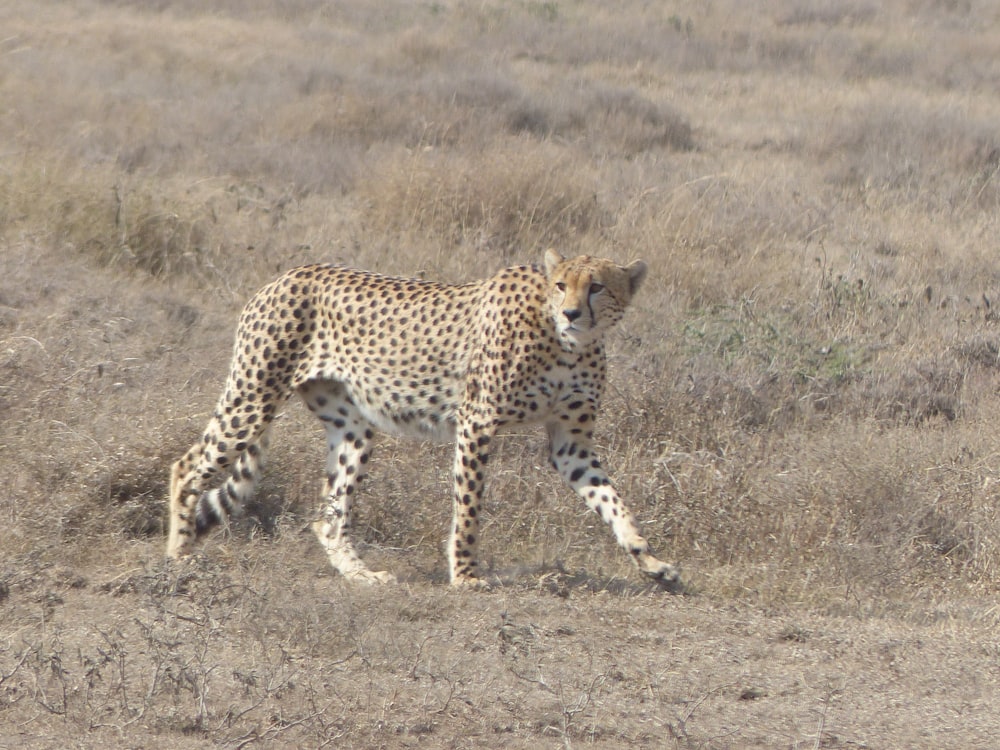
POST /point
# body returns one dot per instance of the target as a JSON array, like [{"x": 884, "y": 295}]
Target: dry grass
[{"x": 800, "y": 410}]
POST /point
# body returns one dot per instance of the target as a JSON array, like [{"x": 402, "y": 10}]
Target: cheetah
[{"x": 416, "y": 358}]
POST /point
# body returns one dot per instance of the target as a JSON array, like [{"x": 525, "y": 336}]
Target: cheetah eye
[
  {"x": 596, "y": 288},
  {"x": 561, "y": 286}
]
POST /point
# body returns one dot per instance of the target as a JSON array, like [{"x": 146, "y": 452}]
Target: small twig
[
  {"x": 533, "y": 680},
  {"x": 255, "y": 736},
  {"x": 24, "y": 657},
  {"x": 412, "y": 674},
  {"x": 822, "y": 722},
  {"x": 705, "y": 697}
]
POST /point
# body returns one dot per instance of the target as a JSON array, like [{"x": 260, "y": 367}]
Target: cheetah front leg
[
  {"x": 472, "y": 451},
  {"x": 348, "y": 438},
  {"x": 573, "y": 456}
]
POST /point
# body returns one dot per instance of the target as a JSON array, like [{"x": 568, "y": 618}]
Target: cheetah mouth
[
  {"x": 576, "y": 329},
  {"x": 575, "y": 337}
]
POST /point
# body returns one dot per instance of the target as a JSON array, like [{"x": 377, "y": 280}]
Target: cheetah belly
[{"x": 422, "y": 421}]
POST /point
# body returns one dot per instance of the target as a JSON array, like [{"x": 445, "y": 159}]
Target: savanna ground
[{"x": 802, "y": 403}]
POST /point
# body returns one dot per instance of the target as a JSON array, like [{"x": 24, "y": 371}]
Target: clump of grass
[
  {"x": 93, "y": 215},
  {"x": 830, "y": 510},
  {"x": 156, "y": 239},
  {"x": 935, "y": 159},
  {"x": 518, "y": 194},
  {"x": 602, "y": 118},
  {"x": 217, "y": 232},
  {"x": 829, "y": 13}
]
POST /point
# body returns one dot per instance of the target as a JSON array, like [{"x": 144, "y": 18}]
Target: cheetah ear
[
  {"x": 636, "y": 273},
  {"x": 552, "y": 259}
]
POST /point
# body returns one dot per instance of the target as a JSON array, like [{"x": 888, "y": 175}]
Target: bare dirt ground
[
  {"x": 801, "y": 410},
  {"x": 254, "y": 650}
]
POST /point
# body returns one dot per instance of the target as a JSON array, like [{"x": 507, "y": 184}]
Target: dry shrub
[
  {"x": 933, "y": 158},
  {"x": 604, "y": 118},
  {"x": 913, "y": 393},
  {"x": 980, "y": 349},
  {"x": 91, "y": 214},
  {"x": 220, "y": 233},
  {"x": 70, "y": 205},
  {"x": 829, "y": 12},
  {"x": 603, "y": 38},
  {"x": 518, "y": 194},
  {"x": 470, "y": 110},
  {"x": 811, "y": 512}
]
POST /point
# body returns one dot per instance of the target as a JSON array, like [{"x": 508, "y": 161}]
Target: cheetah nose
[{"x": 572, "y": 315}]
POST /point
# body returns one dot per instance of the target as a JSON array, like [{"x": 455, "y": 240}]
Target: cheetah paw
[
  {"x": 667, "y": 576},
  {"x": 370, "y": 577},
  {"x": 470, "y": 583}
]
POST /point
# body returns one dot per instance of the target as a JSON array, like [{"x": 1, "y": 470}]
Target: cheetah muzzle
[{"x": 367, "y": 352}]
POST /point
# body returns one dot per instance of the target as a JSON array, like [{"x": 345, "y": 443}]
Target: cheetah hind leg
[
  {"x": 195, "y": 510},
  {"x": 216, "y": 506},
  {"x": 348, "y": 436}
]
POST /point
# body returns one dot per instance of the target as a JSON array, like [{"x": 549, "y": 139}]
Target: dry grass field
[{"x": 802, "y": 406}]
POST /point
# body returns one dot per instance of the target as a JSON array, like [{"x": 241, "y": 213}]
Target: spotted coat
[{"x": 422, "y": 359}]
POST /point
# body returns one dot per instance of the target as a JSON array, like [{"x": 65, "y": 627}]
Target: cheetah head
[{"x": 588, "y": 295}]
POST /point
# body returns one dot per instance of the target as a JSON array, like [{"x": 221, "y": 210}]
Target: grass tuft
[{"x": 516, "y": 195}]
